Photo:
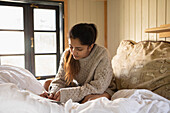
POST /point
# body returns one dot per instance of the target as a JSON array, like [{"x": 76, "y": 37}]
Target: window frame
[{"x": 29, "y": 31}]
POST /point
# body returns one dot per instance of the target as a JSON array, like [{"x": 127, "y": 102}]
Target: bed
[{"x": 142, "y": 76}]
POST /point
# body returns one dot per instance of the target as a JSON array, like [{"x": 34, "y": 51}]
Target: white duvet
[
  {"x": 21, "y": 77},
  {"x": 14, "y": 99}
]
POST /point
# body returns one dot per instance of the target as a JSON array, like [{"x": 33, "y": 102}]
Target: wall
[
  {"x": 127, "y": 20},
  {"x": 90, "y": 11}
]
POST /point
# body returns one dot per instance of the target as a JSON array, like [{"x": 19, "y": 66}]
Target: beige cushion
[{"x": 143, "y": 65}]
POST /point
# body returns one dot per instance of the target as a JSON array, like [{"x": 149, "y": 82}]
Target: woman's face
[{"x": 77, "y": 50}]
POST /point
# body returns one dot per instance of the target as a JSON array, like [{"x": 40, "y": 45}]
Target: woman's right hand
[
  {"x": 51, "y": 96},
  {"x": 45, "y": 94},
  {"x": 55, "y": 96}
]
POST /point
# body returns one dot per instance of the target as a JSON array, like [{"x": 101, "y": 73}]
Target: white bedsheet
[
  {"x": 124, "y": 101},
  {"x": 14, "y": 100},
  {"x": 21, "y": 77},
  {"x": 18, "y": 89}
]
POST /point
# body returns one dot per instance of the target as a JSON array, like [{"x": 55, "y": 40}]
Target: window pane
[
  {"x": 45, "y": 42},
  {"x": 45, "y": 65},
  {"x": 12, "y": 60},
  {"x": 11, "y": 42},
  {"x": 44, "y": 19},
  {"x": 11, "y": 17}
]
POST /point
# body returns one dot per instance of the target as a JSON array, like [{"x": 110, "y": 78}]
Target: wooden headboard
[{"x": 163, "y": 30}]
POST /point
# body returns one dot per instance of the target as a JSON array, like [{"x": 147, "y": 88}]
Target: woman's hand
[
  {"x": 44, "y": 94},
  {"x": 55, "y": 96},
  {"x": 92, "y": 97},
  {"x": 86, "y": 98}
]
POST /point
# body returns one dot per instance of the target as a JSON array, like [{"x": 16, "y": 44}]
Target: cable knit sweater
[{"x": 94, "y": 77}]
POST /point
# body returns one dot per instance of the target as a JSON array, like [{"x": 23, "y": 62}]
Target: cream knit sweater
[{"x": 94, "y": 77}]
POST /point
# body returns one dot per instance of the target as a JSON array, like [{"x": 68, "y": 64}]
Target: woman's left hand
[{"x": 57, "y": 96}]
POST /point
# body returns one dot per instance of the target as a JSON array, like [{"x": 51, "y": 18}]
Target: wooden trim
[
  {"x": 165, "y": 34},
  {"x": 157, "y": 30},
  {"x": 165, "y": 25},
  {"x": 163, "y": 30},
  {"x": 65, "y": 23},
  {"x": 105, "y": 24}
]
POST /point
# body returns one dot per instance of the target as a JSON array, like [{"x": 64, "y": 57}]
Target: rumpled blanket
[
  {"x": 21, "y": 77},
  {"x": 14, "y": 100}
]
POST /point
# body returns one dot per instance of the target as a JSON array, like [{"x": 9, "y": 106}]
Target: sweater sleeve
[
  {"x": 102, "y": 77},
  {"x": 112, "y": 87},
  {"x": 59, "y": 81}
]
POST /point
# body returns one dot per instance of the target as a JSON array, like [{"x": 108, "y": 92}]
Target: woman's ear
[{"x": 90, "y": 47}]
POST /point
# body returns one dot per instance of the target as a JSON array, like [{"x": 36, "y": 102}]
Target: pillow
[
  {"x": 143, "y": 65},
  {"x": 21, "y": 77}
]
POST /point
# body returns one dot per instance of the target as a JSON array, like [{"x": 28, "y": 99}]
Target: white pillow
[
  {"x": 21, "y": 77},
  {"x": 143, "y": 65}
]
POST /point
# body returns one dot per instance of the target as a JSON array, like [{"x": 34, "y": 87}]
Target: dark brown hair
[{"x": 87, "y": 34}]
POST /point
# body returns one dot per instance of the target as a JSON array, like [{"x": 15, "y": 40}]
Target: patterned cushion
[{"x": 143, "y": 65}]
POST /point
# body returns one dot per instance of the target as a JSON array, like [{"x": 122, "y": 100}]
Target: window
[{"x": 31, "y": 36}]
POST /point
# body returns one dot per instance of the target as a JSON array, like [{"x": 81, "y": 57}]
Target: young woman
[{"x": 85, "y": 70}]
